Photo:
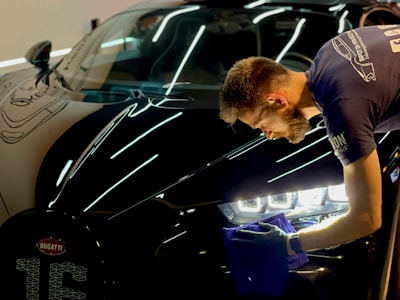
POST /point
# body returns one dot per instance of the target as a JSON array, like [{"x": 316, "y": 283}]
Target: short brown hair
[{"x": 247, "y": 80}]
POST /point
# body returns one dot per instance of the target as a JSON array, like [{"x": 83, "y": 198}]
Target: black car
[{"x": 118, "y": 178}]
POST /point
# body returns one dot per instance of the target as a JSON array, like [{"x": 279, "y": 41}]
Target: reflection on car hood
[{"x": 187, "y": 156}]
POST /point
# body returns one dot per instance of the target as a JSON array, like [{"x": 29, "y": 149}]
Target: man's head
[{"x": 256, "y": 91}]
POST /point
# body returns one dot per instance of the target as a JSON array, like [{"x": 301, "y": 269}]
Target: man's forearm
[{"x": 333, "y": 232}]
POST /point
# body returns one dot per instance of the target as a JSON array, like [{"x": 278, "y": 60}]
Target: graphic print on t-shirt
[
  {"x": 356, "y": 54},
  {"x": 395, "y": 43}
]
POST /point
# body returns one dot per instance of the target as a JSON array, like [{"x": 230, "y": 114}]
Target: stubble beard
[{"x": 298, "y": 126}]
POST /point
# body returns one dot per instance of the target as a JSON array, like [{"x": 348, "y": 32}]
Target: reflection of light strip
[
  {"x": 63, "y": 172},
  {"x": 186, "y": 57},
  {"x": 254, "y": 4},
  {"x": 258, "y": 142},
  {"x": 144, "y": 134},
  {"x": 302, "y": 149},
  {"x": 292, "y": 40},
  {"x": 320, "y": 125},
  {"x": 102, "y": 136},
  {"x": 56, "y": 53},
  {"x": 337, "y": 7},
  {"x": 17, "y": 61},
  {"x": 247, "y": 149},
  {"x": 268, "y": 14},
  {"x": 300, "y": 167},
  {"x": 384, "y": 137},
  {"x": 12, "y": 62},
  {"x": 168, "y": 17},
  {"x": 92, "y": 147},
  {"x": 120, "y": 181},
  {"x": 117, "y": 42},
  {"x": 342, "y": 21},
  {"x": 174, "y": 237},
  {"x": 137, "y": 112}
]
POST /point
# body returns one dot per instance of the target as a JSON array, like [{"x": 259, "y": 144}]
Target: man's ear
[{"x": 276, "y": 100}]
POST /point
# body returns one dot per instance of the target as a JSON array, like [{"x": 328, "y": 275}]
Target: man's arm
[{"x": 364, "y": 190}]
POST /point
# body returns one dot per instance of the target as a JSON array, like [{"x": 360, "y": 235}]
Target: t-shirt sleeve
[{"x": 350, "y": 126}]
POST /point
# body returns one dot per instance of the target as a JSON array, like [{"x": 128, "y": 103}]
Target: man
[{"x": 354, "y": 81}]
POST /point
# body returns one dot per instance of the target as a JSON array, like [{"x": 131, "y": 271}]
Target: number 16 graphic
[{"x": 56, "y": 292}]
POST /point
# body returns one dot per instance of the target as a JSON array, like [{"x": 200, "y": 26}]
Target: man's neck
[{"x": 306, "y": 102}]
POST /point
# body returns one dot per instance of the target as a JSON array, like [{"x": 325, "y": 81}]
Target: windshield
[{"x": 191, "y": 47}]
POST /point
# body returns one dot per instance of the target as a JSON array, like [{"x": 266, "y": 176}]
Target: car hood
[
  {"x": 122, "y": 155},
  {"x": 90, "y": 156}
]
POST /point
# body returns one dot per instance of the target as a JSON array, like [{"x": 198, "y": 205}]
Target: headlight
[
  {"x": 282, "y": 201},
  {"x": 252, "y": 205},
  {"x": 337, "y": 193},
  {"x": 327, "y": 200},
  {"x": 311, "y": 197}
]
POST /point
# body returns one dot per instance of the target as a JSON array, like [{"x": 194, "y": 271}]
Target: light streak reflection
[
  {"x": 185, "y": 58},
  {"x": 342, "y": 22},
  {"x": 145, "y": 134},
  {"x": 255, "y": 4},
  {"x": 269, "y": 14},
  {"x": 384, "y": 137},
  {"x": 89, "y": 151},
  {"x": 302, "y": 149},
  {"x": 174, "y": 237},
  {"x": 120, "y": 181},
  {"x": 296, "y": 34},
  {"x": 64, "y": 172},
  {"x": 170, "y": 16},
  {"x": 101, "y": 137},
  {"x": 299, "y": 167},
  {"x": 243, "y": 151}
]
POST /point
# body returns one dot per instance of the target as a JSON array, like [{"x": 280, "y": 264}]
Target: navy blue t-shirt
[{"x": 355, "y": 82}]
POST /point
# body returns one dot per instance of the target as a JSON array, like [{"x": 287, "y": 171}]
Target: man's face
[{"x": 284, "y": 123}]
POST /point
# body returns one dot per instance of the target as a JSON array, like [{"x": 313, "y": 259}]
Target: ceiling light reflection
[
  {"x": 337, "y": 8},
  {"x": 64, "y": 172},
  {"x": 247, "y": 147},
  {"x": 145, "y": 134},
  {"x": 270, "y": 13},
  {"x": 170, "y": 16},
  {"x": 384, "y": 137},
  {"x": 185, "y": 58},
  {"x": 117, "y": 42},
  {"x": 342, "y": 22},
  {"x": 21, "y": 60},
  {"x": 174, "y": 237},
  {"x": 120, "y": 181},
  {"x": 302, "y": 149},
  {"x": 299, "y": 167},
  {"x": 296, "y": 34},
  {"x": 98, "y": 140},
  {"x": 255, "y": 3}
]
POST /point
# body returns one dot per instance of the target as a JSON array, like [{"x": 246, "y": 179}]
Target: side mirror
[{"x": 39, "y": 55}]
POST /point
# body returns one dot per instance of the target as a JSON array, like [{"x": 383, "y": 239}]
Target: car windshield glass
[{"x": 190, "y": 48}]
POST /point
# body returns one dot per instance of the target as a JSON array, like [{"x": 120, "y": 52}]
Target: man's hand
[{"x": 269, "y": 238}]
